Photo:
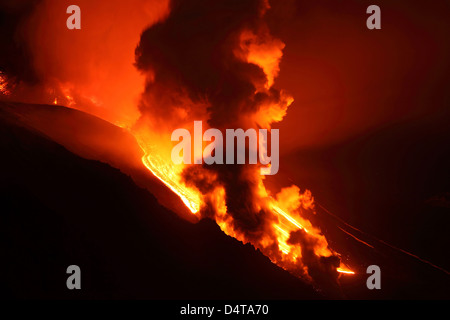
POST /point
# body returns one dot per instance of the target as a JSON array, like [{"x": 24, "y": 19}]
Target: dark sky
[
  {"x": 15, "y": 56},
  {"x": 347, "y": 79}
]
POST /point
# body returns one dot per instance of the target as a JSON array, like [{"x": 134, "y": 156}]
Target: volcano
[
  {"x": 355, "y": 120},
  {"x": 64, "y": 205}
]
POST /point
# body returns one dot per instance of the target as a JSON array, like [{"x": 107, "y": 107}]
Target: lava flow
[{"x": 279, "y": 232}]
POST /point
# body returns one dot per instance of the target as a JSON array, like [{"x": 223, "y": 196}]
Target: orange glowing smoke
[{"x": 91, "y": 69}]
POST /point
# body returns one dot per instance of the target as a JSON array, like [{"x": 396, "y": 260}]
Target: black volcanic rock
[{"x": 59, "y": 209}]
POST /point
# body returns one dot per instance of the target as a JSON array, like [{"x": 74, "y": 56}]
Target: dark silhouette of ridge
[
  {"x": 74, "y": 191},
  {"x": 59, "y": 209}
]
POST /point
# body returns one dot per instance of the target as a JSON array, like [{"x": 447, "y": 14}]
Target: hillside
[{"x": 59, "y": 209}]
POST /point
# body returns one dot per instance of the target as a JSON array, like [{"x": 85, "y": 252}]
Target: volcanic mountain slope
[
  {"x": 63, "y": 205},
  {"x": 93, "y": 138},
  {"x": 59, "y": 209}
]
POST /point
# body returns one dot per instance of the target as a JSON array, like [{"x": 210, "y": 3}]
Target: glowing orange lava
[
  {"x": 169, "y": 174},
  {"x": 285, "y": 212},
  {"x": 4, "y": 84}
]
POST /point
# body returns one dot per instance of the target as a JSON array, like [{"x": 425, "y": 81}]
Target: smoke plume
[{"x": 216, "y": 62}]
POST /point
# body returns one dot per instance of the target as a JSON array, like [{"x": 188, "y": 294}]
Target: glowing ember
[{"x": 4, "y": 84}]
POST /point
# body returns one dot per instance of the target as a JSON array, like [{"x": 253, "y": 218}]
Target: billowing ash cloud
[
  {"x": 200, "y": 54},
  {"x": 215, "y": 61}
]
